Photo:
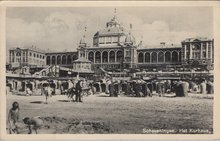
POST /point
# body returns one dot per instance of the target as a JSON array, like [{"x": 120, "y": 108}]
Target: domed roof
[
  {"x": 113, "y": 27},
  {"x": 111, "y": 31},
  {"x": 130, "y": 39}
]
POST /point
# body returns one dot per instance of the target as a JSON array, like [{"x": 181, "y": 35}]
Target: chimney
[{"x": 162, "y": 43}]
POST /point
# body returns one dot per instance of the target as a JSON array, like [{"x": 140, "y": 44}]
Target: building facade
[
  {"x": 63, "y": 59},
  {"x": 198, "y": 52},
  {"x": 115, "y": 48},
  {"x": 30, "y": 56},
  {"x": 161, "y": 56}
]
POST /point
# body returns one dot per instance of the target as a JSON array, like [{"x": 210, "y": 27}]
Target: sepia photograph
[{"x": 109, "y": 70}]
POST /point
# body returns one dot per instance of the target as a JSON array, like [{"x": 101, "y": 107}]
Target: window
[
  {"x": 147, "y": 57},
  {"x": 114, "y": 39},
  {"x": 18, "y": 54},
  {"x": 140, "y": 57},
  {"x": 101, "y": 40},
  {"x": 34, "y": 54},
  {"x": 195, "y": 51},
  {"x": 108, "y": 40},
  {"x": 95, "y": 41},
  {"x": 209, "y": 50},
  {"x": 30, "y": 54}
]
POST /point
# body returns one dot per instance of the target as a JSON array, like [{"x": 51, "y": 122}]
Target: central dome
[
  {"x": 111, "y": 31},
  {"x": 113, "y": 27},
  {"x": 112, "y": 35}
]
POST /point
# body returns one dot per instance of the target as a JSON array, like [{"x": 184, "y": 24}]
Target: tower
[{"x": 82, "y": 46}]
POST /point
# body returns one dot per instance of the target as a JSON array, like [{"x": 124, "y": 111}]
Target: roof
[
  {"x": 62, "y": 52},
  {"x": 111, "y": 31},
  {"x": 82, "y": 60},
  {"x": 195, "y": 39},
  {"x": 30, "y": 48},
  {"x": 171, "y": 46}
]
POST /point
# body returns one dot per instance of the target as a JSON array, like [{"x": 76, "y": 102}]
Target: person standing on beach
[
  {"x": 78, "y": 91},
  {"x": 13, "y": 117}
]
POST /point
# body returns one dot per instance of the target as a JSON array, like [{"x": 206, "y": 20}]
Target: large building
[
  {"x": 28, "y": 56},
  {"x": 115, "y": 48},
  {"x": 198, "y": 52}
]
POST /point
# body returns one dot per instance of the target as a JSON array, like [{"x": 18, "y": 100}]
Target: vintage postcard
[{"x": 95, "y": 70}]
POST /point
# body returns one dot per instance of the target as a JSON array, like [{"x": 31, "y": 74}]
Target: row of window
[
  {"x": 30, "y": 54},
  {"x": 106, "y": 40},
  {"x": 197, "y": 46},
  {"x": 36, "y": 55},
  {"x": 160, "y": 57},
  {"x": 112, "y": 56},
  {"x": 197, "y": 54},
  {"x": 60, "y": 60}
]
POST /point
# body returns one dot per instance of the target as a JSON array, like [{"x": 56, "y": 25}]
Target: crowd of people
[
  {"x": 114, "y": 88},
  {"x": 139, "y": 88}
]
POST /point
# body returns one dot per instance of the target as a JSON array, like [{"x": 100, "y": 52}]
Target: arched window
[
  {"x": 119, "y": 56},
  {"x": 180, "y": 56},
  {"x": 167, "y": 56},
  {"x": 196, "y": 51},
  {"x": 147, "y": 57},
  {"x": 48, "y": 60},
  {"x": 12, "y": 57},
  {"x": 174, "y": 56},
  {"x": 18, "y": 54},
  {"x": 112, "y": 56},
  {"x": 154, "y": 57},
  {"x": 69, "y": 60},
  {"x": 58, "y": 60},
  {"x": 98, "y": 57},
  {"x": 53, "y": 60},
  {"x": 91, "y": 56},
  {"x": 160, "y": 57},
  {"x": 64, "y": 59},
  {"x": 105, "y": 57},
  {"x": 140, "y": 57}
]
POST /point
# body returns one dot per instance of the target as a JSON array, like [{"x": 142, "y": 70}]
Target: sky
[{"x": 60, "y": 29}]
